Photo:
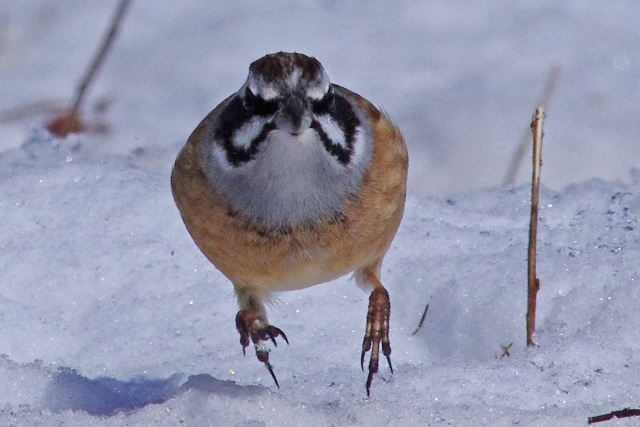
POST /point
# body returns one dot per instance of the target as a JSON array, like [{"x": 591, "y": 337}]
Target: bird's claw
[
  {"x": 254, "y": 328},
  {"x": 377, "y": 332}
]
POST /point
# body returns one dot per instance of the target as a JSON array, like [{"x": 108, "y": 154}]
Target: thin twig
[
  {"x": 545, "y": 97},
  {"x": 95, "y": 64},
  {"x": 533, "y": 282},
  {"x": 424, "y": 316},
  {"x": 622, "y": 413}
]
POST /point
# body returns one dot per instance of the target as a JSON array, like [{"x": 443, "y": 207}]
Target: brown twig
[
  {"x": 545, "y": 97},
  {"x": 71, "y": 121},
  {"x": 94, "y": 66},
  {"x": 424, "y": 316},
  {"x": 622, "y": 413},
  {"x": 533, "y": 282}
]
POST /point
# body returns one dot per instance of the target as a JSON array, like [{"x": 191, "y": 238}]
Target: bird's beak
[{"x": 294, "y": 116}]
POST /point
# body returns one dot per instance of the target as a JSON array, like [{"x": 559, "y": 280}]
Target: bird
[{"x": 291, "y": 182}]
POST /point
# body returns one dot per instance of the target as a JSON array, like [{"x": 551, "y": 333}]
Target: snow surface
[{"x": 109, "y": 315}]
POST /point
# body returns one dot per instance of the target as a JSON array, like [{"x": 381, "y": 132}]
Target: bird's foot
[
  {"x": 377, "y": 332},
  {"x": 255, "y": 328}
]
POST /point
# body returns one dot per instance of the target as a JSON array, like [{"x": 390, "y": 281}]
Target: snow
[{"x": 109, "y": 314}]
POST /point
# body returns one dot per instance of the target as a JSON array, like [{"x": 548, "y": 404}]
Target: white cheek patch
[
  {"x": 220, "y": 156},
  {"x": 359, "y": 146},
  {"x": 249, "y": 131},
  {"x": 333, "y": 131}
]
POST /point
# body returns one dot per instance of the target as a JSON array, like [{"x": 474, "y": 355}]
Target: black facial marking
[
  {"x": 339, "y": 152},
  {"x": 341, "y": 111},
  {"x": 249, "y": 100},
  {"x": 258, "y": 106},
  {"x": 347, "y": 119},
  {"x": 233, "y": 118},
  {"x": 326, "y": 105}
]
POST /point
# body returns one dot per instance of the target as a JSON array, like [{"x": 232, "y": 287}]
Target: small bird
[{"x": 291, "y": 182}]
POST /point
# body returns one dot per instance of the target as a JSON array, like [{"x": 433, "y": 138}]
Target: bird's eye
[
  {"x": 257, "y": 106},
  {"x": 249, "y": 101},
  {"x": 326, "y": 104},
  {"x": 330, "y": 99}
]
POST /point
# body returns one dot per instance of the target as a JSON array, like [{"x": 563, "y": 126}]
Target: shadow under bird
[{"x": 291, "y": 182}]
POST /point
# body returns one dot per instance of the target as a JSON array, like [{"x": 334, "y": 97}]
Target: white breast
[{"x": 292, "y": 181}]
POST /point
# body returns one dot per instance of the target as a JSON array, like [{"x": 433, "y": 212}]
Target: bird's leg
[
  {"x": 253, "y": 325},
  {"x": 377, "y": 330}
]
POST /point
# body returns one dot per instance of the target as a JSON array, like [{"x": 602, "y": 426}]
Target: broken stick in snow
[
  {"x": 622, "y": 413},
  {"x": 533, "y": 282},
  {"x": 424, "y": 316}
]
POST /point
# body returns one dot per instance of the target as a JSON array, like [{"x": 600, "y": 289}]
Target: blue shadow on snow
[{"x": 69, "y": 390}]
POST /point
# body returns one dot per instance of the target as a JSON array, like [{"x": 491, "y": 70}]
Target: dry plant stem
[
  {"x": 424, "y": 316},
  {"x": 95, "y": 64},
  {"x": 623, "y": 413},
  {"x": 533, "y": 282},
  {"x": 545, "y": 97}
]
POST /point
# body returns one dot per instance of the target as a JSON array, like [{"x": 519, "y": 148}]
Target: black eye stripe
[
  {"x": 339, "y": 152},
  {"x": 236, "y": 155},
  {"x": 346, "y": 118},
  {"x": 231, "y": 120},
  {"x": 237, "y": 115},
  {"x": 244, "y": 155},
  {"x": 342, "y": 113},
  {"x": 326, "y": 105},
  {"x": 258, "y": 106}
]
